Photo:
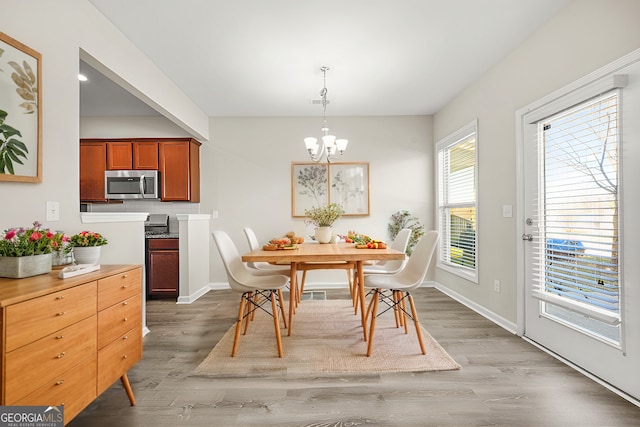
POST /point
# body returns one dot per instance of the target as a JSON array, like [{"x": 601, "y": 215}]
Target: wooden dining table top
[{"x": 310, "y": 252}]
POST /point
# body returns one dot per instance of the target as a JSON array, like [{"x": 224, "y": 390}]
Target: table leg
[
  {"x": 359, "y": 265},
  {"x": 293, "y": 297}
]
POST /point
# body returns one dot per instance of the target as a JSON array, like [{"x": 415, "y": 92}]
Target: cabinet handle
[
  {"x": 124, "y": 276},
  {"x": 61, "y": 355},
  {"x": 60, "y": 297},
  {"x": 126, "y": 337},
  {"x": 124, "y": 357},
  {"x": 124, "y": 286},
  {"x": 125, "y": 319},
  {"x": 62, "y": 313},
  {"x": 60, "y": 383},
  {"x": 125, "y": 303},
  {"x": 59, "y": 337}
]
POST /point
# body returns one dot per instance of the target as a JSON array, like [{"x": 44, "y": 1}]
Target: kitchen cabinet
[
  {"x": 145, "y": 155},
  {"x": 132, "y": 155},
  {"x": 119, "y": 155},
  {"x": 177, "y": 159},
  {"x": 163, "y": 268},
  {"x": 65, "y": 341},
  {"x": 92, "y": 166},
  {"x": 180, "y": 170}
]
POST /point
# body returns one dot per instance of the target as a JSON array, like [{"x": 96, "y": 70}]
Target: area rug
[{"x": 326, "y": 338}]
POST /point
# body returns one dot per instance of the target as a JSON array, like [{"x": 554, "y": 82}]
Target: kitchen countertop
[{"x": 162, "y": 236}]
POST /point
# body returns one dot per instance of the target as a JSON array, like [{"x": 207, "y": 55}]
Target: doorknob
[{"x": 528, "y": 237}]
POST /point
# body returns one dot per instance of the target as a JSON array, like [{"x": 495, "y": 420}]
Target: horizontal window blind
[
  {"x": 577, "y": 247},
  {"x": 457, "y": 195}
]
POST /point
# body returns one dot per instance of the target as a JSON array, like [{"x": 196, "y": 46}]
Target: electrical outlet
[
  {"x": 214, "y": 214},
  {"x": 496, "y": 286},
  {"x": 53, "y": 211}
]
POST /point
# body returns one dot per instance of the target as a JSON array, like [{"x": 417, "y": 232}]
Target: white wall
[
  {"x": 581, "y": 38},
  {"x": 246, "y": 175},
  {"x": 59, "y": 31}
]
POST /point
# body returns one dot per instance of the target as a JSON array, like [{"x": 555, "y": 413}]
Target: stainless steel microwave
[{"x": 140, "y": 184}]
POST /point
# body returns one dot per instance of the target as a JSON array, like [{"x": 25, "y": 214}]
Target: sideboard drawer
[
  {"x": 75, "y": 389},
  {"x": 116, "y": 320},
  {"x": 118, "y": 357},
  {"x": 119, "y": 287},
  {"x": 32, "y": 365},
  {"x": 31, "y": 320}
]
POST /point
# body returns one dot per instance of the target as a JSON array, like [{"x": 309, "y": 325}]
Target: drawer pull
[
  {"x": 60, "y": 297},
  {"x": 125, "y": 303},
  {"x": 61, "y": 355},
  {"x": 124, "y": 357},
  {"x": 59, "y": 337},
  {"x": 62, "y": 313},
  {"x": 125, "y": 319},
  {"x": 60, "y": 382},
  {"x": 126, "y": 337},
  {"x": 125, "y": 286},
  {"x": 124, "y": 276}
]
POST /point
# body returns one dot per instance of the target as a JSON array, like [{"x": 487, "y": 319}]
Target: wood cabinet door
[
  {"x": 93, "y": 162},
  {"x": 174, "y": 171},
  {"x": 119, "y": 156},
  {"x": 145, "y": 155},
  {"x": 163, "y": 268}
]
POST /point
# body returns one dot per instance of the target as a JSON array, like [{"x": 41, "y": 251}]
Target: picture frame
[
  {"x": 349, "y": 187},
  {"x": 20, "y": 112},
  {"x": 318, "y": 184}
]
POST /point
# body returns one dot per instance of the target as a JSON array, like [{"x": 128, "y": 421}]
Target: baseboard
[
  {"x": 194, "y": 296},
  {"x": 488, "y": 314}
]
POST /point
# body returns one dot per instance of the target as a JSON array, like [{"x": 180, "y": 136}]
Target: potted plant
[
  {"x": 403, "y": 219},
  {"x": 323, "y": 218},
  {"x": 26, "y": 252},
  {"x": 86, "y": 246}
]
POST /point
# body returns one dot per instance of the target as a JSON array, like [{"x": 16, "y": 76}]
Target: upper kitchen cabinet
[
  {"x": 145, "y": 155},
  {"x": 92, "y": 166},
  {"x": 180, "y": 170},
  {"x": 119, "y": 155},
  {"x": 136, "y": 155}
]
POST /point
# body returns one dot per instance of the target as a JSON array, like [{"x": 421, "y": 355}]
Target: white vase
[
  {"x": 323, "y": 234},
  {"x": 25, "y": 266},
  {"x": 87, "y": 255}
]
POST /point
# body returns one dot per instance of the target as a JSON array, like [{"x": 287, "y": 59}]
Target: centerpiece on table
[
  {"x": 26, "y": 252},
  {"x": 87, "y": 247},
  {"x": 323, "y": 218}
]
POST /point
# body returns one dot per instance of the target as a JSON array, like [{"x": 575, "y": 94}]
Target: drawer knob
[
  {"x": 61, "y": 355},
  {"x": 60, "y": 383},
  {"x": 125, "y": 319},
  {"x": 126, "y": 337},
  {"x": 124, "y": 357},
  {"x": 60, "y": 297},
  {"x": 124, "y": 286},
  {"x": 59, "y": 337},
  {"x": 62, "y": 313},
  {"x": 124, "y": 276},
  {"x": 125, "y": 303}
]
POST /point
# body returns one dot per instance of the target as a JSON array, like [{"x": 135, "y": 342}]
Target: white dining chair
[
  {"x": 257, "y": 289},
  {"x": 252, "y": 240},
  {"x": 401, "y": 284},
  {"x": 400, "y": 243}
]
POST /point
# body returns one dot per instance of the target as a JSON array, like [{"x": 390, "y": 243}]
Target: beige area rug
[{"x": 326, "y": 338}]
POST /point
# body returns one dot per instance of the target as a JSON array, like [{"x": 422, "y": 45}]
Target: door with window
[{"x": 581, "y": 240}]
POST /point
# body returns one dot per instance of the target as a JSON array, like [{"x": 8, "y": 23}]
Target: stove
[{"x": 156, "y": 224}]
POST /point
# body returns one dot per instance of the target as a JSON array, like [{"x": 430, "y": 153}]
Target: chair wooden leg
[
  {"x": 282, "y": 313},
  {"x": 404, "y": 312},
  {"x": 414, "y": 313},
  {"x": 396, "y": 309},
  {"x": 374, "y": 312},
  {"x": 238, "y": 325},
  {"x": 248, "y": 312},
  {"x": 276, "y": 323}
]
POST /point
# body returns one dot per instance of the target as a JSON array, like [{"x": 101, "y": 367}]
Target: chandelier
[{"x": 328, "y": 146}]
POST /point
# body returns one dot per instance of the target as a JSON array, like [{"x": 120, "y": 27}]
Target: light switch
[
  {"x": 507, "y": 211},
  {"x": 53, "y": 211}
]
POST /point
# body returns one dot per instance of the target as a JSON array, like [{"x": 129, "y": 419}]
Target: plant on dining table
[
  {"x": 21, "y": 241},
  {"x": 324, "y": 216}
]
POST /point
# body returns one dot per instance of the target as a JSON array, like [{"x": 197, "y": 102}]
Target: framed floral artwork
[
  {"x": 20, "y": 112},
  {"x": 349, "y": 187},
  {"x": 318, "y": 184}
]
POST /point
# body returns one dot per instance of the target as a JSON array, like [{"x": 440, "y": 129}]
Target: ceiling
[{"x": 263, "y": 58}]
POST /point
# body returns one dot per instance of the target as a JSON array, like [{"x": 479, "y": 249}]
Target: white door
[{"x": 581, "y": 236}]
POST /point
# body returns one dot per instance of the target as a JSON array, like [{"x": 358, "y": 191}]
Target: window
[{"x": 457, "y": 202}]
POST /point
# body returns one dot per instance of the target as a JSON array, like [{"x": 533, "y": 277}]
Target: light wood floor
[{"x": 504, "y": 381}]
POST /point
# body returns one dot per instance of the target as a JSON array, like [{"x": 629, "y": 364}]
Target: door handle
[{"x": 528, "y": 237}]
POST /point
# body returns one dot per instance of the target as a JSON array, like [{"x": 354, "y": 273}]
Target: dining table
[{"x": 329, "y": 255}]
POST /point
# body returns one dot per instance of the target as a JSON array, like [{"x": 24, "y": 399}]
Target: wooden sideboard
[{"x": 65, "y": 341}]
